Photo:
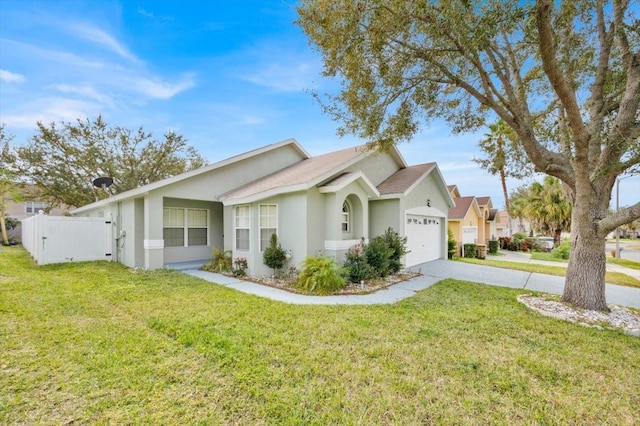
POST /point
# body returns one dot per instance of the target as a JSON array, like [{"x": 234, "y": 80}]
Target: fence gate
[{"x": 58, "y": 239}]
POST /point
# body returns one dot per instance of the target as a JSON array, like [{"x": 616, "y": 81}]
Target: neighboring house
[
  {"x": 494, "y": 223},
  {"x": 487, "y": 223},
  {"x": 503, "y": 228},
  {"x": 464, "y": 221},
  {"x": 454, "y": 191},
  {"x": 472, "y": 220},
  {"x": 315, "y": 205},
  {"x": 30, "y": 206}
]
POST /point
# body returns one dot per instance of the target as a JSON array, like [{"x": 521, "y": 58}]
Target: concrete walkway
[
  {"x": 520, "y": 257},
  {"x": 432, "y": 272}
]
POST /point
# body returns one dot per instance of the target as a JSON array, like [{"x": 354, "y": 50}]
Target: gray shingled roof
[
  {"x": 403, "y": 179},
  {"x": 298, "y": 174}
]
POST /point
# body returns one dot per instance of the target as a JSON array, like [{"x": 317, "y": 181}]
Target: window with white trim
[
  {"x": 173, "y": 227},
  {"x": 346, "y": 210},
  {"x": 185, "y": 227},
  {"x": 243, "y": 225},
  {"x": 34, "y": 207},
  {"x": 268, "y": 224},
  {"x": 197, "y": 227}
]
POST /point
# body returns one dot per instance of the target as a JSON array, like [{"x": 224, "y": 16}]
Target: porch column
[{"x": 153, "y": 234}]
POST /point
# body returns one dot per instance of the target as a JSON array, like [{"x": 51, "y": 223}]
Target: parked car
[{"x": 546, "y": 243}]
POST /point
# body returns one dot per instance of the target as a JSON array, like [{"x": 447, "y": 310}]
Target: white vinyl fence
[{"x": 58, "y": 239}]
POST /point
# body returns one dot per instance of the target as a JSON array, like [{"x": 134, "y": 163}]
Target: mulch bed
[{"x": 370, "y": 286}]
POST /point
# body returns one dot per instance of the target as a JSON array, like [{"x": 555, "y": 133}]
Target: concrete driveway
[{"x": 441, "y": 269}]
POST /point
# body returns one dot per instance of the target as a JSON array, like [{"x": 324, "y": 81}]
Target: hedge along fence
[{"x": 470, "y": 250}]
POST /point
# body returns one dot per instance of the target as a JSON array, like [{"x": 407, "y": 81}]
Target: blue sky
[{"x": 230, "y": 76}]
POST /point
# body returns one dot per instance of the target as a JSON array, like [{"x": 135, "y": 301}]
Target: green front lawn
[
  {"x": 93, "y": 343},
  {"x": 611, "y": 277}
]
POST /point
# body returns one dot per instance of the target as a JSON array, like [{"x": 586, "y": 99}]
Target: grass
[
  {"x": 624, "y": 262},
  {"x": 536, "y": 255},
  {"x": 617, "y": 278},
  {"x": 98, "y": 343}
]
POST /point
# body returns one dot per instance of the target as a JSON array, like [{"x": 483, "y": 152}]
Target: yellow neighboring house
[
  {"x": 484, "y": 227},
  {"x": 472, "y": 220},
  {"x": 30, "y": 206}
]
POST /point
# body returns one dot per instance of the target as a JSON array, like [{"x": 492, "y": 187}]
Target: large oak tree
[
  {"x": 63, "y": 159},
  {"x": 572, "y": 66}
]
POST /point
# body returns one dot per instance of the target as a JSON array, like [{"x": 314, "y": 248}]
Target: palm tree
[
  {"x": 549, "y": 208},
  {"x": 504, "y": 157}
]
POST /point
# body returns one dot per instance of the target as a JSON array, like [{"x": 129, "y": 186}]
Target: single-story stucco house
[{"x": 315, "y": 205}]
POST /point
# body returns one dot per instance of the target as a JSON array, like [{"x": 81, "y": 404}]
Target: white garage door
[{"x": 424, "y": 239}]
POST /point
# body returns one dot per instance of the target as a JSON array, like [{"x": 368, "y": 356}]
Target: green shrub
[
  {"x": 274, "y": 256},
  {"x": 379, "y": 256},
  {"x": 320, "y": 275},
  {"x": 493, "y": 246},
  {"x": 356, "y": 265},
  {"x": 520, "y": 236},
  {"x": 470, "y": 250},
  {"x": 222, "y": 260},
  {"x": 451, "y": 243},
  {"x": 562, "y": 251},
  {"x": 398, "y": 247}
]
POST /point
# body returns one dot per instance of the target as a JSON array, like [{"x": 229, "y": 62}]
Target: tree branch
[{"x": 623, "y": 216}]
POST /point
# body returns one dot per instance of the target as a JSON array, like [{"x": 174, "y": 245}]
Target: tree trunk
[
  {"x": 556, "y": 237},
  {"x": 584, "y": 284},
  {"x": 503, "y": 180},
  {"x": 3, "y": 228}
]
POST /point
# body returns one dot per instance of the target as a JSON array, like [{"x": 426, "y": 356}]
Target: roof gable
[
  {"x": 193, "y": 173},
  {"x": 345, "y": 179},
  {"x": 484, "y": 202},
  {"x": 297, "y": 177},
  {"x": 404, "y": 179},
  {"x": 463, "y": 204}
]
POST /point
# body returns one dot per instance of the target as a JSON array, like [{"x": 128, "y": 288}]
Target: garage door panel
[{"x": 424, "y": 239}]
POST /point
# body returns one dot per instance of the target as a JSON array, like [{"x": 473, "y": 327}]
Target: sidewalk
[
  {"x": 516, "y": 256},
  {"x": 432, "y": 272}
]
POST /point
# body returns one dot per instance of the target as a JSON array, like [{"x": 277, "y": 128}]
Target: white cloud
[
  {"x": 284, "y": 78},
  {"x": 252, "y": 119},
  {"x": 47, "y": 110},
  {"x": 10, "y": 77},
  {"x": 144, "y": 13},
  {"x": 158, "y": 89},
  {"x": 85, "y": 91},
  {"x": 36, "y": 53},
  {"x": 455, "y": 166},
  {"x": 100, "y": 37}
]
